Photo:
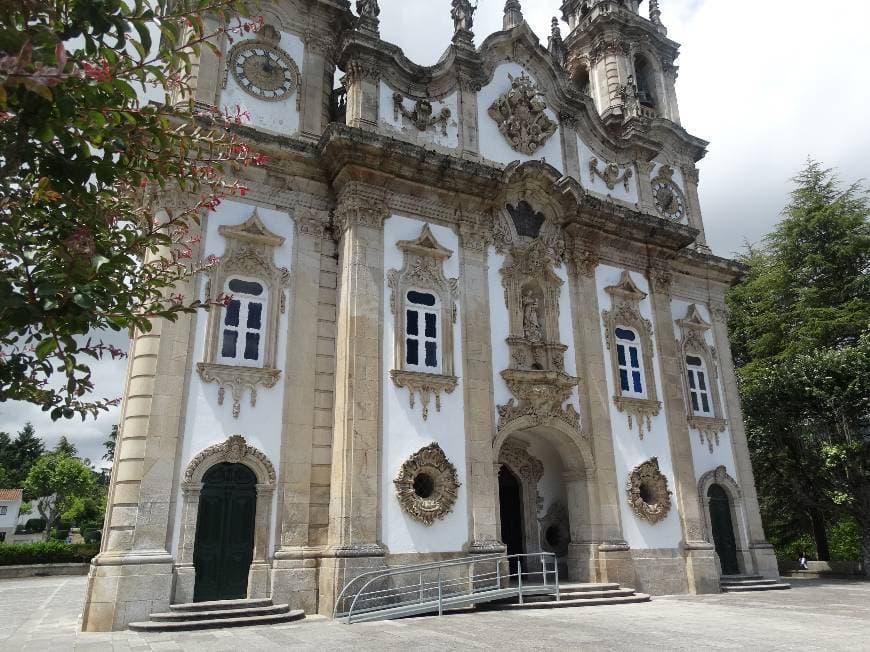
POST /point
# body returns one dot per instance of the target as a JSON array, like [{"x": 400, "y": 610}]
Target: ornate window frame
[
  {"x": 693, "y": 341},
  {"x": 648, "y": 493},
  {"x": 423, "y": 271},
  {"x": 249, "y": 255},
  {"x": 625, "y": 313},
  {"x": 441, "y": 480}
]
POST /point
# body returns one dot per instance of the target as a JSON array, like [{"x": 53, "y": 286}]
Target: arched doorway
[
  {"x": 510, "y": 495},
  {"x": 723, "y": 529},
  {"x": 224, "y": 544}
]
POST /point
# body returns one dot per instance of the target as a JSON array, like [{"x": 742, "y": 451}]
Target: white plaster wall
[
  {"x": 281, "y": 117},
  {"x": 10, "y": 518},
  {"x": 493, "y": 145},
  {"x": 404, "y": 430},
  {"x": 407, "y": 129},
  {"x": 206, "y": 422},
  {"x": 629, "y": 449},
  {"x": 596, "y": 185}
]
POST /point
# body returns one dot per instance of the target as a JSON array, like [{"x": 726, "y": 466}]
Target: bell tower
[{"x": 623, "y": 58}]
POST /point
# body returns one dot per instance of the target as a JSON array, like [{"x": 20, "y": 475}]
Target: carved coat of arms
[{"x": 521, "y": 116}]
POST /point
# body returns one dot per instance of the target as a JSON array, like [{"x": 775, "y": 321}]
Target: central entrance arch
[
  {"x": 224, "y": 545},
  {"x": 510, "y": 499}
]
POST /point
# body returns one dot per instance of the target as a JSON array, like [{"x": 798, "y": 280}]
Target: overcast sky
[{"x": 767, "y": 82}]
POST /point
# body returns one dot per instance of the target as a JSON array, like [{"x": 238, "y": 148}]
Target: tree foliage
[
  {"x": 82, "y": 247},
  {"x": 18, "y": 455},
  {"x": 60, "y": 481},
  {"x": 800, "y": 328}
]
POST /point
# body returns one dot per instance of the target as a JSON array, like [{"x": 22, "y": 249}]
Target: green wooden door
[
  {"x": 511, "y": 512},
  {"x": 224, "y": 544},
  {"x": 723, "y": 529}
]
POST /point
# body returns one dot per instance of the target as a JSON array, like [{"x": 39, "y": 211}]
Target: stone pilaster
[
  {"x": 603, "y": 547},
  {"x": 469, "y": 134},
  {"x": 570, "y": 149},
  {"x": 763, "y": 556},
  {"x": 670, "y": 81},
  {"x": 702, "y": 566},
  {"x": 316, "y": 83},
  {"x": 355, "y": 510},
  {"x": 363, "y": 93},
  {"x": 481, "y": 483},
  {"x": 644, "y": 187},
  {"x": 132, "y": 575},
  {"x": 294, "y": 579},
  {"x": 691, "y": 177}
]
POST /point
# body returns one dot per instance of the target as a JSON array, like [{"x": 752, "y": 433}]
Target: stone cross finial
[
  {"x": 368, "y": 11},
  {"x": 556, "y": 46},
  {"x": 513, "y": 14}
]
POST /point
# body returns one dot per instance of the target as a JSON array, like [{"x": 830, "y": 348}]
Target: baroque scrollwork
[
  {"x": 648, "y": 493},
  {"x": 422, "y": 117},
  {"x": 427, "y": 485},
  {"x": 521, "y": 115},
  {"x": 235, "y": 450},
  {"x": 611, "y": 174}
]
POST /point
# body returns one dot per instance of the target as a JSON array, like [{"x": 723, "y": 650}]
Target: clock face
[
  {"x": 264, "y": 71},
  {"x": 669, "y": 200}
]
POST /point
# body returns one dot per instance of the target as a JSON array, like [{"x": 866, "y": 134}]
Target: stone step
[
  {"x": 177, "y": 616},
  {"x": 737, "y": 578},
  {"x": 222, "y": 605},
  {"x": 216, "y": 623},
  {"x": 582, "y": 595},
  {"x": 576, "y": 587},
  {"x": 755, "y": 587},
  {"x": 564, "y": 604},
  {"x": 757, "y": 582}
]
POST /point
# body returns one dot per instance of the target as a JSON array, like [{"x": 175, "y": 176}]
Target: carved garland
[
  {"x": 250, "y": 249},
  {"x": 611, "y": 174},
  {"x": 625, "y": 312},
  {"x": 423, "y": 269},
  {"x": 648, "y": 492},
  {"x": 521, "y": 114},
  {"x": 422, "y": 116},
  {"x": 427, "y": 485},
  {"x": 693, "y": 341}
]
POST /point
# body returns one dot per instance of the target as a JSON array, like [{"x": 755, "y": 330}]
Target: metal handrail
[{"x": 478, "y": 585}]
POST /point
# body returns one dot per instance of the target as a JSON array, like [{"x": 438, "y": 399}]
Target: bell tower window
[{"x": 646, "y": 87}]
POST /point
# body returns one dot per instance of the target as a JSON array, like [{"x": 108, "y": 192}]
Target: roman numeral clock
[{"x": 262, "y": 69}]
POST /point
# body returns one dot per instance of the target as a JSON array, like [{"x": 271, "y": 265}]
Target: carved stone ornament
[
  {"x": 669, "y": 199},
  {"x": 536, "y": 376},
  {"x": 520, "y": 223},
  {"x": 249, "y": 255},
  {"x": 261, "y": 68},
  {"x": 235, "y": 450},
  {"x": 522, "y": 118},
  {"x": 427, "y": 485},
  {"x": 693, "y": 342},
  {"x": 625, "y": 313},
  {"x": 516, "y": 455},
  {"x": 423, "y": 270},
  {"x": 648, "y": 493},
  {"x": 556, "y": 530},
  {"x": 422, "y": 116},
  {"x": 462, "y": 13},
  {"x": 611, "y": 174}
]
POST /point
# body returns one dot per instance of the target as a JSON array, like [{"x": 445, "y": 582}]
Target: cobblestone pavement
[{"x": 43, "y": 614}]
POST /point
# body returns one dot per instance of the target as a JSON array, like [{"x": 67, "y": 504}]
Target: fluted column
[
  {"x": 762, "y": 552},
  {"x": 363, "y": 93},
  {"x": 702, "y": 568},
  {"x": 354, "y": 509},
  {"x": 482, "y": 481}
]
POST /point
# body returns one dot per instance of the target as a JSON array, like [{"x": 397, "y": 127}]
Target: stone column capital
[
  {"x": 475, "y": 237},
  {"x": 583, "y": 261},
  {"x": 358, "y": 207}
]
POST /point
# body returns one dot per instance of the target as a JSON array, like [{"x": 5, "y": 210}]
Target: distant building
[{"x": 10, "y": 504}]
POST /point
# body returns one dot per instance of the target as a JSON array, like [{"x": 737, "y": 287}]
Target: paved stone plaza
[{"x": 43, "y": 613}]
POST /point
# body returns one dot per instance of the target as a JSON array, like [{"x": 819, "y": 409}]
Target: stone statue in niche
[
  {"x": 463, "y": 15},
  {"x": 368, "y": 8},
  {"x": 422, "y": 115},
  {"x": 531, "y": 324}
]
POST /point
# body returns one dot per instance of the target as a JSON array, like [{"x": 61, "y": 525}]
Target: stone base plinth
[
  {"x": 764, "y": 560},
  {"x": 702, "y": 570},
  {"x": 339, "y": 567},
  {"x": 582, "y": 562},
  {"x": 616, "y": 564},
  {"x": 660, "y": 571},
  {"x": 126, "y": 589},
  {"x": 294, "y": 582},
  {"x": 185, "y": 581}
]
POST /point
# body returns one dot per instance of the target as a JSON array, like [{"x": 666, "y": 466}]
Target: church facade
[{"x": 469, "y": 309}]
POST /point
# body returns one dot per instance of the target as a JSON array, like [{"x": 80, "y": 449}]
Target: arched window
[
  {"x": 628, "y": 355},
  {"x": 242, "y": 336},
  {"x": 646, "y": 86},
  {"x": 699, "y": 391},
  {"x": 422, "y": 332}
]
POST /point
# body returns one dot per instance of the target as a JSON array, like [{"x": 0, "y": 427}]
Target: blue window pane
[
  {"x": 255, "y": 315},
  {"x": 693, "y": 361},
  {"x": 431, "y": 354},
  {"x": 246, "y": 287},
  {"x": 412, "y": 318},
  {"x": 620, "y": 352},
  {"x": 228, "y": 349},
  {"x": 624, "y": 334},
  {"x": 691, "y": 377},
  {"x": 701, "y": 382},
  {"x": 634, "y": 362},
  {"x": 694, "y": 402},
  {"x": 412, "y": 355},
  {"x": 232, "y": 318},
  {"x": 430, "y": 325},
  {"x": 638, "y": 386},
  {"x": 705, "y": 402},
  {"x": 421, "y": 299},
  {"x": 252, "y": 346},
  {"x": 623, "y": 380}
]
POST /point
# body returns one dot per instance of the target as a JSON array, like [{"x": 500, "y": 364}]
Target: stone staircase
[
  {"x": 217, "y": 615},
  {"x": 574, "y": 594},
  {"x": 748, "y": 583}
]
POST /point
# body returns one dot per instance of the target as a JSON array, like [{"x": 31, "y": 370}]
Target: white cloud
[{"x": 769, "y": 83}]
